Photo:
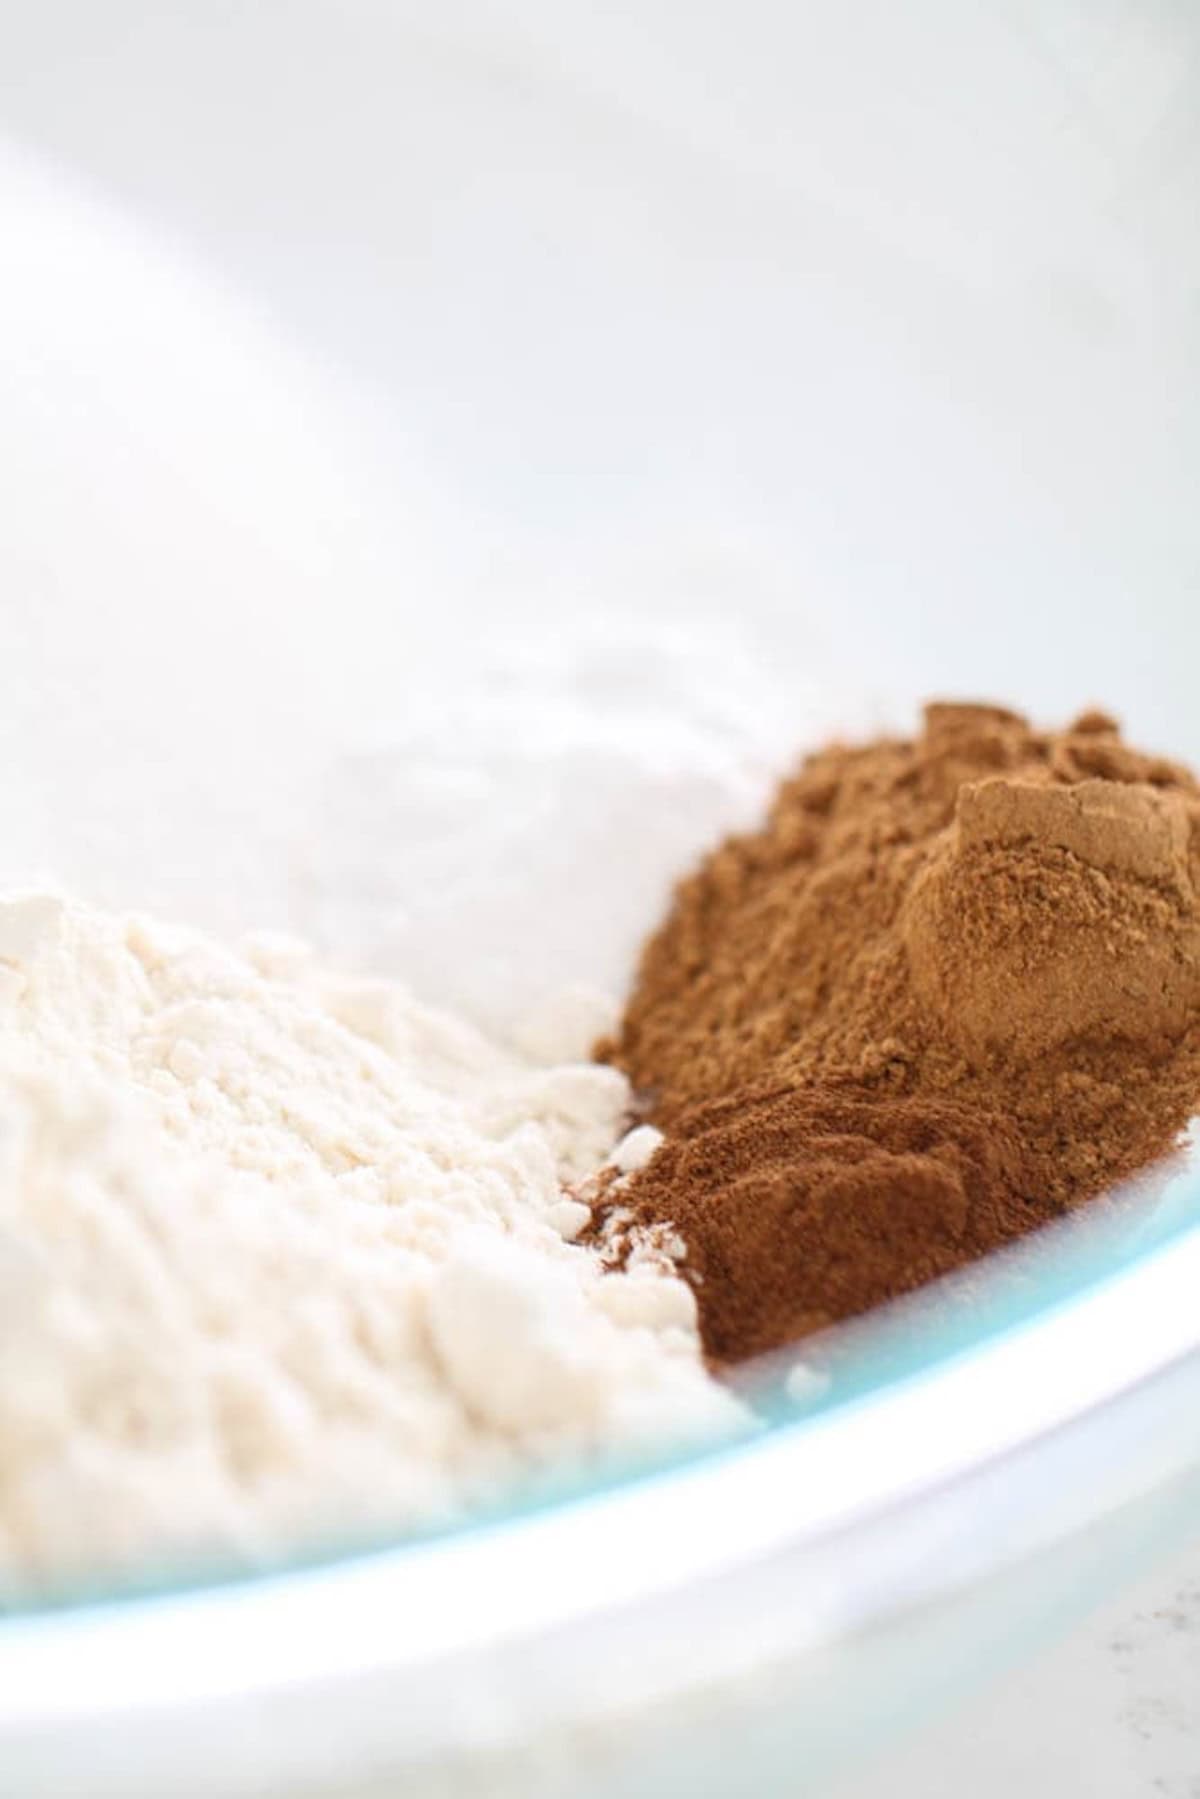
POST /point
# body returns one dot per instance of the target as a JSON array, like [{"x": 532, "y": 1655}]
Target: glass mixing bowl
[{"x": 850, "y": 345}]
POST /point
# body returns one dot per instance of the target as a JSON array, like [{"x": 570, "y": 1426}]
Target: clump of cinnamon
[{"x": 949, "y": 990}]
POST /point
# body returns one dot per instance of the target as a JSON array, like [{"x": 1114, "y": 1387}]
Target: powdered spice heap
[{"x": 948, "y": 991}]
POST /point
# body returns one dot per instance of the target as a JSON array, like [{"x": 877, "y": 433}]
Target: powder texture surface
[
  {"x": 949, "y": 990},
  {"x": 286, "y": 1258}
]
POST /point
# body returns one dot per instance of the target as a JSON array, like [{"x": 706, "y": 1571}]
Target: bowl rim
[{"x": 1088, "y": 1326}]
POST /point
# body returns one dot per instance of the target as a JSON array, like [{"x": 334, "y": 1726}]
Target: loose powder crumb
[
  {"x": 948, "y": 991},
  {"x": 285, "y": 1258}
]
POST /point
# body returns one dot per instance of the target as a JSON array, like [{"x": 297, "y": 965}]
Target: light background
[{"x": 892, "y": 310}]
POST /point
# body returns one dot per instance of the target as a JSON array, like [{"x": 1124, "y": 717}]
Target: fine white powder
[{"x": 286, "y": 1258}]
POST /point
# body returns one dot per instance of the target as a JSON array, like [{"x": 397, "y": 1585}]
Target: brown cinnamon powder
[{"x": 949, "y": 990}]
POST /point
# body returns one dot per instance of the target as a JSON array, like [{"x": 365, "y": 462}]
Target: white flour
[{"x": 284, "y": 1257}]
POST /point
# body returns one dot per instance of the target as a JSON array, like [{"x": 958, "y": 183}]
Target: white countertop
[{"x": 1110, "y": 1712}]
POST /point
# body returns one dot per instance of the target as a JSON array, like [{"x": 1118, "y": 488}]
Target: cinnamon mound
[
  {"x": 950, "y": 989},
  {"x": 853, "y": 1200}
]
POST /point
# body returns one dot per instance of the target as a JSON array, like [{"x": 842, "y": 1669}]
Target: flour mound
[{"x": 285, "y": 1257}]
